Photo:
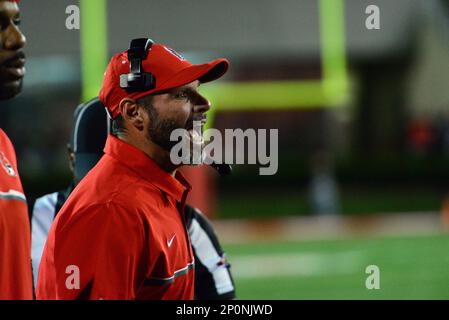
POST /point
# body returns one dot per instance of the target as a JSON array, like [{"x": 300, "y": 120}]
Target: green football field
[{"x": 410, "y": 268}]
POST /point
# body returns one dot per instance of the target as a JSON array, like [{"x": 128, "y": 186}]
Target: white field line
[
  {"x": 328, "y": 227},
  {"x": 297, "y": 264}
]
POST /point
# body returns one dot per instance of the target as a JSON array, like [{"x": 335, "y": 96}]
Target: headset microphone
[{"x": 223, "y": 169}]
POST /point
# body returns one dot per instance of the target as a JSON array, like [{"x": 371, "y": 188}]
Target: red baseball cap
[{"x": 168, "y": 67}]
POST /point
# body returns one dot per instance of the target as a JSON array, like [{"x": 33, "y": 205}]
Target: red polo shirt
[
  {"x": 121, "y": 234},
  {"x": 15, "y": 255}
]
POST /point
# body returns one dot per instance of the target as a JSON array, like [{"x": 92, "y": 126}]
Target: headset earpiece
[{"x": 137, "y": 79}]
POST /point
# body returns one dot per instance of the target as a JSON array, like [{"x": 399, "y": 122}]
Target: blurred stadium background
[{"x": 363, "y": 119}]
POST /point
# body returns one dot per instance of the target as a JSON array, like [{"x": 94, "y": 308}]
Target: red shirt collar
[{"x": 139, "y": 162}]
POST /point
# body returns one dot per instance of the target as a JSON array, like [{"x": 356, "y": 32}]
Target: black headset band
[
  {"x": 137, "y": 52},
  {"x": 137, "y": 79}
]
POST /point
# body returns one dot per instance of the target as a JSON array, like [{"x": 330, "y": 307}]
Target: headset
[{"x": 137, "y": 79}]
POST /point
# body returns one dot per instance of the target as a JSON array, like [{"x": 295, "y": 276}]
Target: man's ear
[{"x": 132, "y": 113}]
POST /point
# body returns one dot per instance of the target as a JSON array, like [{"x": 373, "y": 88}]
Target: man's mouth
[
  {"x": 195, "y": 128},
  {"x": 195, "y": 136},
  {"x": 16, "y": 72},
  {"x": 14, "y": 67}
]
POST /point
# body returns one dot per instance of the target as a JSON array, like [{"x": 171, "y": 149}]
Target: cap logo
[{"x": 173, "y": 52}]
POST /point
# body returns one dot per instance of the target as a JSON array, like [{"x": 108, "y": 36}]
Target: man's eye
[
  {"x": 3, "y": 24},
  {"x": 181, "y": 95}
]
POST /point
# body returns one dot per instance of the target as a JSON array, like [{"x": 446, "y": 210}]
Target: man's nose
[
  {"x": 202, "y": 105},
  {"x": 15, "y": 39}
]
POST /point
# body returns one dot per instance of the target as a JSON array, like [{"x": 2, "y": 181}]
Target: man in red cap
[
  {"x": 15, "y": 259},
  {"x": 122, "y": 233}
]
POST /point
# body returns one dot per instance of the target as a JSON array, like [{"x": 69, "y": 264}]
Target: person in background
[{"x": 15, "y": 262}]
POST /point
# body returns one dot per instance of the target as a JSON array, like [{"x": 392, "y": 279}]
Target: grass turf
[
  {"x": 410, "y": 268},
  {"x": 259, "y": 203}
]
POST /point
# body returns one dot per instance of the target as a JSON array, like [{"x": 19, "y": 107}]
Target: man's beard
[
  {"x": 160, "y": 130},
  {"x": 10, "y": 90}
]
